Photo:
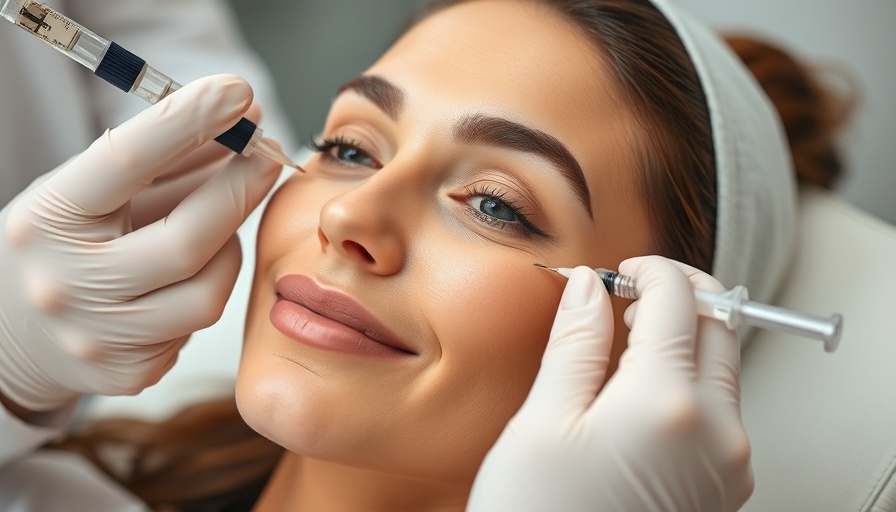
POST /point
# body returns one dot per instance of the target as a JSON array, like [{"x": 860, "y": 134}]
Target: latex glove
[
  {"x": 87, "y": 304},
  {"x": 664, "y": 433}
]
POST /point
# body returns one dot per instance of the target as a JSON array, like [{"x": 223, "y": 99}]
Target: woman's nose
[{"x": 363, "y": 226}]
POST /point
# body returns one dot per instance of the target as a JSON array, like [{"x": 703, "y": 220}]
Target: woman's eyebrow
[
  {"x": 496, "y": 131},
  {"x": 485, "y": 130},
  {"x": 384, "y": 94}
]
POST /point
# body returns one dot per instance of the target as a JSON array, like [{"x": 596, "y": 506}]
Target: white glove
[
  {"x": 91, "y": 299},
  {"x": 664, "y": 433}
]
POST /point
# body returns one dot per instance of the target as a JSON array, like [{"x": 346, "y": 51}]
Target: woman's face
[{"x": 396, "y": 320}]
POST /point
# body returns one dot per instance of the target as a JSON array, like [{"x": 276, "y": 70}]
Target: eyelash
[
  {"x": 326, "y": 146},
  {"x": 523, "y": 226}
]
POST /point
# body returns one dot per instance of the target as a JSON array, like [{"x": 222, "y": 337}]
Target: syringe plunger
[{"x": 734, "y": 308}]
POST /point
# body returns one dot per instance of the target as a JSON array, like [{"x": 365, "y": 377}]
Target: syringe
[
  {"x": 123, "y": 69},
  {"x": 733, "y": 308}
]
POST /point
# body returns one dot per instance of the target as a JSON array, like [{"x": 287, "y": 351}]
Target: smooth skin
[{"x": 400, "y": 215}]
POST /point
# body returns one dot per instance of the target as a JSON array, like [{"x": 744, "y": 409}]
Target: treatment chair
[{"x": 822, "y": 425}]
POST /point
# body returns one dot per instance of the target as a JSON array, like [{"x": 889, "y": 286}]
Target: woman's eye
[
  {"x": 494, "y": 207},
  {"x": 344, "y": 151},
  {"x": 353, "y": 155}
]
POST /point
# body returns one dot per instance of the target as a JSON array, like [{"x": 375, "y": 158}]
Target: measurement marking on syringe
[{"x": 33, "y": 18}]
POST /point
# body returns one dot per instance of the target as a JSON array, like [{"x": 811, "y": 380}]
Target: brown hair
[
  {"x": 203, "y": 459},
  {"x": 812, "y": 112},
  {"x": 208, "y": 459}
]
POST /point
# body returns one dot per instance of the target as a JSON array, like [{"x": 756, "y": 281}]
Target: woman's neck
[{"x": 300, "y": 484}]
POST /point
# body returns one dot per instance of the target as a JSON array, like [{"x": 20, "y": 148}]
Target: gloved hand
[
  {"x": 88, "y": 303},
  {"x": 664, "y": 433}
]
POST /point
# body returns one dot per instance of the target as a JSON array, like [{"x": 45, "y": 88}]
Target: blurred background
[{"x": 312, "y": 46}]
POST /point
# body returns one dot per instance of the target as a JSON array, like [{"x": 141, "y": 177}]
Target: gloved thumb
[
  {"x": 122, "y": 162},
  {"x": 201, "y": 224},
  {"x": 575, "y": 361}
]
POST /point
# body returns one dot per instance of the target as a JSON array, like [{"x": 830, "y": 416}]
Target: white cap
[{"x": 756, "y": 186}]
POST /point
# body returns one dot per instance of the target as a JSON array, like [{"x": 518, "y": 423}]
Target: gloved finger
[
  {"x": 575, "y": 361},
  {"x": 718, "y": 382},
  {"x": 169, "y": 189},
  {"x": 159, "y": 199},
  {"x": 726, "y": 439},
  {"x": 717, "y": 352},
  {"x": 630, "y": 313},
  {"x": 122, "y": 162},
  {"x": 132, "y": 370},
  {"x": 19, "y": 216},
  {"x": 209, "y": 152},
  {"x": 163, "y": 362},
  {"x": 180, "y": 308},
  {"x": 718, "y": 376},
  {"x": 718, "y": 360},
  {"x": 196, "y": 229},
  {"x": 665, "y": 326},
  {"x": 254, "y": 113}
]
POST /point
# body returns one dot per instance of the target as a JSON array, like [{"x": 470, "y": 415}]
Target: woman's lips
[{"x": 330, "y": 320}]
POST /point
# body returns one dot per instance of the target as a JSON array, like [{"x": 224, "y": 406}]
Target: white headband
[{"x": 756, "y": 186}]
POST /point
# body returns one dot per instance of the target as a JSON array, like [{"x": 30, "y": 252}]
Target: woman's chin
[{"x": 277, "y": 407}]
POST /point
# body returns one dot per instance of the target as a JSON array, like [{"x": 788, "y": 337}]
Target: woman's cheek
[
  {"x": 292, "y": 214},
  {"x": 501, "y": 324}
]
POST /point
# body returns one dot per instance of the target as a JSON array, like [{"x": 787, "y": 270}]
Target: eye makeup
[
  {"x": 497, "y": 209},
  {"x": 486, "y": 203},
  {"x": 342, "y": 150}
]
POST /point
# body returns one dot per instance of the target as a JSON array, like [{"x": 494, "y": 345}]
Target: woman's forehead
[
  {"x": 509, "y": 53},
  {"x": 521, "y": 61}
]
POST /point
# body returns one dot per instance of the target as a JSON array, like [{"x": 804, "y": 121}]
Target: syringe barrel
[
  {"x": 153, "y": 86},
  {"x": 112, "y": 63},
  {"x": 827, "y": 330},
  {"x": 57, "y": 30}
]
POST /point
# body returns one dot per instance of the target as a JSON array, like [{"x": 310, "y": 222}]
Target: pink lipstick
[{"x": 330, "y": 320}]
